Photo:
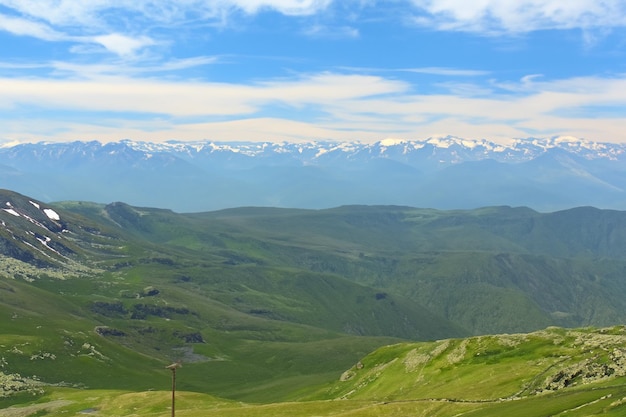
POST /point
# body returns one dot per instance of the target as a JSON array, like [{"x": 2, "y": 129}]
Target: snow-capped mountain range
[{"x": 446, "y": 172}]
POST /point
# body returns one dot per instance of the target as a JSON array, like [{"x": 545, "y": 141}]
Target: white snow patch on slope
[
  {"x": 51, "y": 214},
  {"x": 13, "y": 212}
]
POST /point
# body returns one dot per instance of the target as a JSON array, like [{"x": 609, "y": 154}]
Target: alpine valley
[
  {"x": 445, "y": 173},
  {"x": 354, "y": 310}
]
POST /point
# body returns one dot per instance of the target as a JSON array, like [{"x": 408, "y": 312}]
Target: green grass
[
  {"x": 487, "y": 270},
  {"x": 479, "y": 376},
  {"x": 270, "y": 307},
  {"x": 600, "y": 401},
  {"x": 481, "y": 368}
]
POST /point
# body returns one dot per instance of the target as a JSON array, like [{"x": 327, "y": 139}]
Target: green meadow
[{"x": 573, "y": 372}]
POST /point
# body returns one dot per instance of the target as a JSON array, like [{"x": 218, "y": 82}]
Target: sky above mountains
[{"x": 302, "y": 70}]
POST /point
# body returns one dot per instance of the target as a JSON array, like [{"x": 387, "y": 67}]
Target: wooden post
[
  {"x": 173, "y": 368},
  {"x": 173, "y": 392}
]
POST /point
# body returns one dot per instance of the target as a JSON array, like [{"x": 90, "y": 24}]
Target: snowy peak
[
  {"x": 586, "y": 149},
  {"x": 439, "y": 172},
  {"x": 449, "y": 149}
]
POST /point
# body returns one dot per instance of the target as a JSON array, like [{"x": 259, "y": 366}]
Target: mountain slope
[
  {"x": 148, "y": 294},
  {"x": 576, "y": 372},
  {"x": 488, "y": 270},
  {"x": 493, "y": 373},
  {"x": 270, "y": 301}
]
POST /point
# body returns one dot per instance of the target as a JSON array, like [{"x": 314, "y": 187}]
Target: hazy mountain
[{"x": 545, "y": 174}]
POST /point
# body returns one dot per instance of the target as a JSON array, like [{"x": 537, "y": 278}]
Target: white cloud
[
  {"x": 100, "y": 13},
  {"x": 346, "y": 107},
  {"x": 71, "y": 13},
  {"x": 189, "y": 98},
  {"x": 119, "y": 44},
  {"x": 115, "y": 25},
  {"x": 288, "y": 7},
  {"x": 124, "y": 27},
  {"x": 116, "y": 68},
  {"x": 343, "y": 106},
  {"x": 515, "y": 16},
  {"x": 23, "y": 27},
  {"x": 123, "y": 45},
  {"x": 518, "y": 16}
]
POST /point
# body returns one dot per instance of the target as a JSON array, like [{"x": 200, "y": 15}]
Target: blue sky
[{"x": 301, "y": 70}]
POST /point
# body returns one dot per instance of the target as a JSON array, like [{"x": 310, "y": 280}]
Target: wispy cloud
[
  {"x": 358, "y": 106},
  {"x": 121, "y": 44},
  {"x": 124, "y": 70},
  {"x": 119, "y": 68},
  {"x": 43, "y": 17},
  {"x": 24, "y": 27},
  {"x": 289, "y": 7},
  {"x": 126, "y": 27},
  {"x": 114, "y": 25},
  {"x": 101, "y": 13},
  {"x": 453, "y": 72},
  {"x": 519, "y": 16},
  {"x": 190, "y": 98},
  {"x": 331, "y": 32}
]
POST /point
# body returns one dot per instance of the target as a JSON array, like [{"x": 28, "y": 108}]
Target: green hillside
[
  {"x": 488, "y": 270},
  {"x": 267, "y": 305},
  {"x": 554, "y": 372},
  {"x": 142, "y": 288},
  {"x": 487, "y": 368},
  {"x": 578, "y": 372}
]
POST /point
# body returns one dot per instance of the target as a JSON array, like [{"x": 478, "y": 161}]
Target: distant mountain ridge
[{"x": 449, "y": 172}]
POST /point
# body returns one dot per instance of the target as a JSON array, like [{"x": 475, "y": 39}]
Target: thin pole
[
  {"x": 172, "y": 368},
  {"x": 173, "y": 390}
]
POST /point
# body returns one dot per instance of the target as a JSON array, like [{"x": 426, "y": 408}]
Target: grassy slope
[
  {"x": 259, "y": 331},
  {"x": 245, "y": 356},
  {"x": 281, "y": 298},
  {"x": 486, "y": 367},
  {"x": 488, "y": 270},
  {"x": 553, "y": 372}
]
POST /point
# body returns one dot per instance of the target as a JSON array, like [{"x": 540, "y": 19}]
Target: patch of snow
[
  {"x": 33, "y": 221},
  {"x": 52, "y": 215},
  {"x": 568, "y": 140},
  {"x": 440, "y": 142},
  {"x": 347, "y": 146},
  {"x": 34, "y": 204},
  {"x": 391, "y": 142},
  {"x": 11, "y": 211},
  {"x": 44, "y": 240},
  {"x": 321, "y": 152},
  {"x": 471, "y": 144}
]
